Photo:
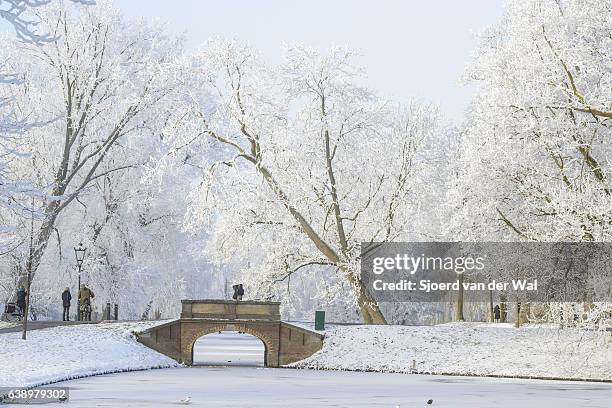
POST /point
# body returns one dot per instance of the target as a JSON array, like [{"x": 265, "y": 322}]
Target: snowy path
[
  {"x": 45, "y": 324},
  {"x": 260, "y": 387}
]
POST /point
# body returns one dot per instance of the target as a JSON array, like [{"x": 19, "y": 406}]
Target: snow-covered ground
[
  {"x": 62, "y": 353},
  {"x": 467, "y": 349},
  {"x": 250, "y": 387}
]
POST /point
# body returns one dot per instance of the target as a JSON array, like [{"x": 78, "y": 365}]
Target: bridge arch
[
  {"x": 284, "y": 342},
  {"x": 269, "y": 348}
]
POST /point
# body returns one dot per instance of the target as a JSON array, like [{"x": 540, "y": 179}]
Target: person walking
[
  {"x": 21, "y": 299},
  {"x": 66, "y": 298},
  {"x": 496, "y": 313},
  {"x": 85, "y": 296}
]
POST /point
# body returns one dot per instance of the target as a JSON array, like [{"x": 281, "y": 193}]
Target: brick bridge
[{"x": 284, "y": 343}]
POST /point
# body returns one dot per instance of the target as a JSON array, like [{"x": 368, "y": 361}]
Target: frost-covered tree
[
  {"x": 97, "y": 81},
  {"x": 137, "y": 255},
  {"x": 13, "y": 122},
  {"x": 18, "y": 14},
  {"x": 538, "y": 134},
  {"x": 308, "y": 165},
  {"x": 535, "y": 163}
]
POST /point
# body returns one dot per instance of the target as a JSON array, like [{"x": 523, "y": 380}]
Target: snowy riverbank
[
  {"x": 62, "y": 353},
  {"x": 467, "y": 349}
]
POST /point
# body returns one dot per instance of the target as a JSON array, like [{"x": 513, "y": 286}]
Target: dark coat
[
  {"x": 496, "y": 312},
  {"x": 21, "y": 296},
  {"x": 66, "y": 298},
  {"x": 238, "y": 291}
]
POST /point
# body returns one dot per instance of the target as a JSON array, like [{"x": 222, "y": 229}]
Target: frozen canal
[
  {"x": 261, "y": 387},
  {"x": 246, "y": 387},
  {"x": 229, "y": 349}
]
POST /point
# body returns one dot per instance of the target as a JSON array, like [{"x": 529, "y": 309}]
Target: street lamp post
[{"x": 79, "y": 253}]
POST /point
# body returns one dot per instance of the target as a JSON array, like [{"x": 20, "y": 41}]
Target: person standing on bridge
[
  {"x": 238, "y": 292},
  {"x": 66, "y": 298}
]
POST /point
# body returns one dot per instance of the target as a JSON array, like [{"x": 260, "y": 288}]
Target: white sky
[{"x": 410, "y": 47}]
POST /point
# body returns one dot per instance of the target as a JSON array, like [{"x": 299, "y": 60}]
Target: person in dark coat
[
  {"x": 21, "y": 299},
  {"x": 66, "y": 298},
  {"x": 496, "y": 313},
  {"x": 238, "y": 292}
]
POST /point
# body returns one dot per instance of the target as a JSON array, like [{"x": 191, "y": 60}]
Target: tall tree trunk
[
  {"x": 459, "y": 309},
  {"x": 503, "y": 308},
  {"x": 370, "y": 311},
  {"x": 491, "y": 313},
  {"x": 368, "y": 306},
  {"x": 40, "y": 243}
]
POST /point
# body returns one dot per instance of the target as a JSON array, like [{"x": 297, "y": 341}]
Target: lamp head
[{"x": 79, "y": 253}]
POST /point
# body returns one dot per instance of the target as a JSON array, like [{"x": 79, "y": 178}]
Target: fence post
[{"x": 116, "y": 311}]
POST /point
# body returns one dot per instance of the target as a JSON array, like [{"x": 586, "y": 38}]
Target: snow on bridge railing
[{"x": 230, "y": 309}]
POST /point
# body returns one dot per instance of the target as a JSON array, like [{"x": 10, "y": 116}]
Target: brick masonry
[{"x": 284, "y": 343}]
